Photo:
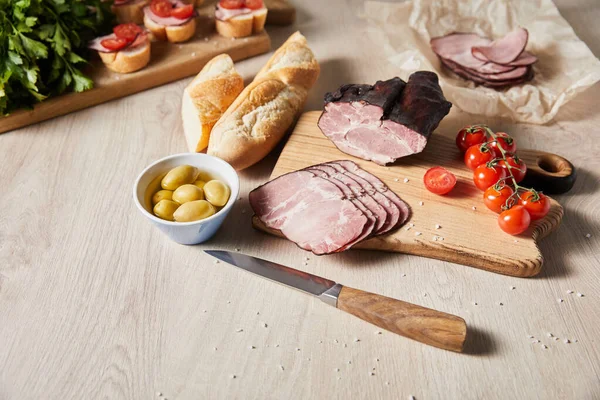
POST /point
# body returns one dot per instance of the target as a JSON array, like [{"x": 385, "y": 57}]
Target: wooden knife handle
[{"x": 425, "y": 325}]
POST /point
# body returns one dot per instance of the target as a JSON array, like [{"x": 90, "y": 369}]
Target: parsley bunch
[{"x": 42, "y": 47}]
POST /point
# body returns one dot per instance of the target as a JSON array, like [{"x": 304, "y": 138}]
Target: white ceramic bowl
[{"x": 186, "y": 232}]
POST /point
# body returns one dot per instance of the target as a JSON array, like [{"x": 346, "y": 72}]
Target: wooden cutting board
[
  {"x": 281, "y": 12},
  {"x": 471, "y": 236},
  {"x": 169, "y": 62}
]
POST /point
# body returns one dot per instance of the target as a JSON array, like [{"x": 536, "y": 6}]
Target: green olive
[
  {"x": 179, "y": 176},
  {"x": 165, "y": 208},
  {"x": 162, "y": 195},
  {"x": 194, "y": 211},
  {"x": 186, "y": 193},
  {"x": 200, "y": 183},
  {"x": 217, "y": 193}
]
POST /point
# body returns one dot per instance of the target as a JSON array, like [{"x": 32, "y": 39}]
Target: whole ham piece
[
  {"x": 328, "y": 208},
  {"x": 385, "y": 121}
]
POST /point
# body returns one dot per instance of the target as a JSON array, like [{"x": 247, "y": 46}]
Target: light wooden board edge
[
  {"x": 442, "y": 250},
  {"x": 170, "y": 62}
]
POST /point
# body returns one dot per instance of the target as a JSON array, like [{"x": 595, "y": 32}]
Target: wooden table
[{"x": 97, "y": 303}]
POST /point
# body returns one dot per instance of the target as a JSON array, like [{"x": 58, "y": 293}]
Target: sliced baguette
[
  {"x": 128, "y": 60},
  {"x": 255, "y": 122},
  {"x": 131, "y": 12},
  {"x": 293, "y": 63},
  {"x": 173, "y": 34},
  {"x": 206, "y": 98},
  {"x": 265, "y": 110},
  {"x": 243, "y": 25}
]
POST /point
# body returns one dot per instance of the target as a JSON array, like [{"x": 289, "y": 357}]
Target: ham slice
[
  {"x": 324, "y": 209},
  {"x": 225, "y": 14},
  {"x": 496, "y": 64},
  {"x": 386, "y": 121},
  {"x": 505, "y": 49}
]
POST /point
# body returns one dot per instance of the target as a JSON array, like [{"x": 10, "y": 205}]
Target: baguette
[
  {"x": 242, "y": 25},
  {"x": 265, "y": 110},
  {"x": 128, "y": 60},
  {"x": 206, "y": 98},
  {"x": 173, "y": 34},
  {"x": 130, "y": 12}
]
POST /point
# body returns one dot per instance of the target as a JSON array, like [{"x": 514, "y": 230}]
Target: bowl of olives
[{"x": 187, "y": 196}]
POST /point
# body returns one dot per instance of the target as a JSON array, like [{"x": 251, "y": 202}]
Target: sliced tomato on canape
[
  {"x": 254, "y": 4},
  {"x": 114, "y": 44},
  {"x": 231, "y": 4},
  {"x": 127, "y": 32},
  {"x": 183, "y": 12},
  {"x": 161, "y": 8}
]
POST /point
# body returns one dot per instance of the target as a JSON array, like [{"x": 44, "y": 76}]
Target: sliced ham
[
  {"x": 225, "y": 14},
  {"x": 310, "y": 211},
  {"x": 496, "y": 64},
  {"x": 506, "y": 49},
  {"x": 386, "y": 121},
  {"x": 324, "y": 208}
]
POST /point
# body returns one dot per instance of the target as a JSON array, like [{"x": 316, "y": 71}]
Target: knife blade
[{"x": 425, "y": 325}]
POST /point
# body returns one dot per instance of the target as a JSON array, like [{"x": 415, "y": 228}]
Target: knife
[{"x": 425, "y": 325}]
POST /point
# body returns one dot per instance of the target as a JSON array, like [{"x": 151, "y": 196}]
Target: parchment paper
[{"x": 566, "y": 65}]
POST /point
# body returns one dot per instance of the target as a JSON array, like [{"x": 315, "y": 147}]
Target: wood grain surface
[
  {"x": 169, "y": 62},
  {"x": 468, "y": 236},
  {"x": 96, "y": 303}
]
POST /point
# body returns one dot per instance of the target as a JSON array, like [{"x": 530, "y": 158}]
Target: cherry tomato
[
  {"x": 485, "y": 176},
  {"x": 183, "y": 12},
  {"x": 114, "y": 44},
  {"x": 517, "y": 167},
  {"x": 495, "y": 199},
  {"x": 231, "y": 4},
  {"x": 254, "y": 4},
  {"x": 439, "y": 180},
  {"x": 536, "y": 204},
  {"x": 162, "y": 8},
  {"x": 127, "y": 32},
  {"x": 505, "y": 141},
  {"x": 474, "y": 157},
  {"x": 470, "y": 136},
  {"x": 514, "y": 221}
]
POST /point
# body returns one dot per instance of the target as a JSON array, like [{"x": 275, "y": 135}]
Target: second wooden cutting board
[{"x": 470, "y": 231}]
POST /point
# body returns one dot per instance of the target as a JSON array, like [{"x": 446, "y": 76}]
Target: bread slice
[
  {"x": 243, "y": 25},
  {"x": 255, "y": 122},
  {"x": 173, "y": 34},
  {"x": 128, "y": 60},
  {"x": 131, "y": 12},
  {"x": 206, "y": 98}
]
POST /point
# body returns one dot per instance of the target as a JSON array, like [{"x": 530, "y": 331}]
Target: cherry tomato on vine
[
  {"x": 474, "y": 157},
  {"x": 517, "y": 167},
  {"x": 127, "y": 32},
  {"x": 439, "y": 180},
  {"x": 514, "y": 221},
  {"x": 485, "y": 176},
  {"x": 536, "y": 204},
  {"x": 183, "y": 12},
  {"x": 114, "y": 44},
  {"x": 495, "y": 199},
  {"x": 470, "y": 136},
  {"x": 253, "y": 4},
  {"x": 504, "y": 140},
  {"x": 162, "y": 8},
  {"x": 231, "y": 4}
]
